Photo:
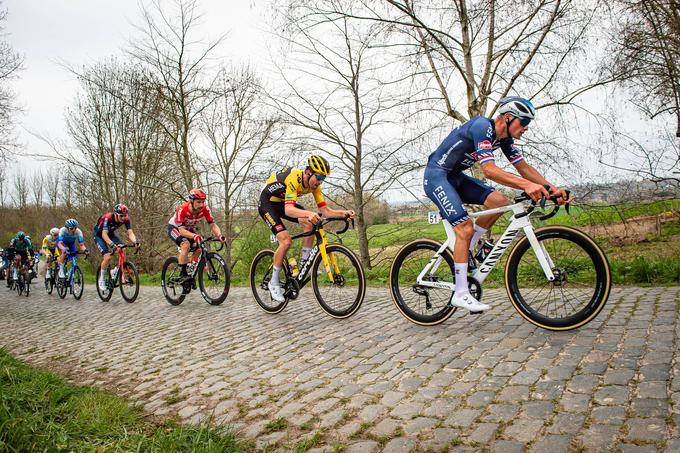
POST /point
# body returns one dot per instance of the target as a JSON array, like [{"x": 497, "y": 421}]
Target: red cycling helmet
[
  {"x": 120, "y": 209},
  {"x": 197, "y": 194}
]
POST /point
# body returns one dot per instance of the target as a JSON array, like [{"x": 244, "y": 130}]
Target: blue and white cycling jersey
[
  {"x": 472, "y": 141},
  {"x": 70, "y": 238},
  {"x": 444, "y": 181}
]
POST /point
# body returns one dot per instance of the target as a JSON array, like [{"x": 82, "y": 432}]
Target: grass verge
[{"x": 39, "y": 411}]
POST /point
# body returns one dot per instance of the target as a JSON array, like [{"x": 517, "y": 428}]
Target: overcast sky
[{"x": 81, "y": 32}]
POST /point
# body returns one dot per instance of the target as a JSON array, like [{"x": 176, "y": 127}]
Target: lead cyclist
[{"x": 447, "y": 186}]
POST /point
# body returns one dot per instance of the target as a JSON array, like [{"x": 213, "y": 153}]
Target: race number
[
  {"x": 434, "y": 217},
  {"x": 272, "y": 239}
]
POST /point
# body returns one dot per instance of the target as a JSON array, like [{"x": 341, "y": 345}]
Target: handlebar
[
  {"x": 541, "y": 203},
  {"x": 213, "y": 239},
  {"x": 316, "y": 227},
  {"x": 124, "y": 246}
]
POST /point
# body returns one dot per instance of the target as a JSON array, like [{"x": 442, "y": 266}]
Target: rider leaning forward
[
  {"x": 446, "y": 185},
  {"x": 278, "y": 200}
]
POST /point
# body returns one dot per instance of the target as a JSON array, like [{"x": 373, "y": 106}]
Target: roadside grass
[{"x": 39, "y": 411}]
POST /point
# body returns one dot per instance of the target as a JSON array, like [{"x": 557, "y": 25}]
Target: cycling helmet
[
  {"x": 517, "y": 107},
  {"x": 197, "y": 194},
  {"x": 21, "y": 235},
  {"x": 120, "y": 209},
  {"x": 71, "y": 223},
  {"x": 54, "y": 231},
  {"x": 319, "y": 165}
]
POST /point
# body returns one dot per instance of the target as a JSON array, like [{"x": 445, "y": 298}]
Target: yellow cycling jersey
[
  {"x": 49, "y": 246},
  {"x": 286, "y": 186}
]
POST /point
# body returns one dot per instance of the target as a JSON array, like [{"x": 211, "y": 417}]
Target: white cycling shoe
[
  {"x": 468, "y": 302},
  {"x": 276, "y": 292},
  {"x": 102, "y": 285}
]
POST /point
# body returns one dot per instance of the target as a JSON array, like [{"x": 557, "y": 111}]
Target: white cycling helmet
[
  {"x": 54, "y": 231},
  {"x": 518, "y": 107}
]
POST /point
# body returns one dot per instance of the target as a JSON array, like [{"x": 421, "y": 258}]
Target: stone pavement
[{"x": 491, "y": 382}]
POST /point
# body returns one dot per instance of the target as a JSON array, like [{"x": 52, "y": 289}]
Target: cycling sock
[
  {"x": 461, "y": 278},
  {"x": 479, "y": 232},
  {"x": 305, "y": 253},
  {"x": 275, "y": 275}
]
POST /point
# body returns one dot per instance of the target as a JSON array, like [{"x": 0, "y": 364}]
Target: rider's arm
[
  {"x": 530, "y": 173},
  {"x": 216, "y": 230},
  {"x": 492, "y": 172},
  {"x": 131, "y": 236},
  {"x": 105, "y": 236}
]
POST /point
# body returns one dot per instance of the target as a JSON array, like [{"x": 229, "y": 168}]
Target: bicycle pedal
[{"x": 476, "y": 312}]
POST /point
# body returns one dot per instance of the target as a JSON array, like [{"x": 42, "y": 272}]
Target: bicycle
[
  {"x": 563, "y": 285},
  {"x": 22, "y": 278},
  {"x": 210, "y": 268},
  {"x": 51, "y": 274},
  {"x": 126, "y": 278},
  {"x": 73, "y": 281},
  {"x": 345, "y": 277}
]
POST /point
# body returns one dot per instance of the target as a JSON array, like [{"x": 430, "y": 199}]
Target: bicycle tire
[
  {"x": 348, "y": 279},
  {"x": 214, "y": 263},
  {"x": 402, "y": 282},
  {"x": 77, "y": 283},
  {"x": 570, "y": 273},
  {"x": 62, "y": 289},
  {"x": 104, "y": 295},
  {"x": 20, "y": 283},
  {"x": 27, "y": 280},
  {"x": 128, "y": 277},
  {"x": 168, "y": 285},
  {"x": 260, "y": 274}
]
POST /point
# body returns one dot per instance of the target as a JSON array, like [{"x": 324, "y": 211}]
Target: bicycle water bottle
[
  {"x": 484, "y": 250},
  {"x": 292, "y": 263}
]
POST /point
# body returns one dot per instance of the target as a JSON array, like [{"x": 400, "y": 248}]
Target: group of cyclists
[{"x": 444, "y": 183}]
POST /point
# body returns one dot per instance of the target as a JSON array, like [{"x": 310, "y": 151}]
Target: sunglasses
[
  {"x": 71, "y": 228},
  {"x": 320, "y": 178},
  {"x": 524, "y": 121}
]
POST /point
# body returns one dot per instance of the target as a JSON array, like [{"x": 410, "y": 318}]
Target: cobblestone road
[{"x": 374, "y": 381}]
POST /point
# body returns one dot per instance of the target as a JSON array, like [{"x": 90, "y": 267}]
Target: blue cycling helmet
[
  {"x": 21, "y": 235},
  {"x": 517, "y": 107},
  {"x": 71, "y": 223}
]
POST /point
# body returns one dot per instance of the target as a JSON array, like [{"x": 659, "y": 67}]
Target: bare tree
[
  {"x": 52, "y": 181},
  {"x": 3, "y": 184},
  {"x": 179, "y": 65},
  {"x": 337, "y": 101},
  {"x": 37, "y": 182},
  {"x": 11, "y": 64},
  {"x": 645, "y": 52},
  {"x": 20, "y": 190},
  {"x": 239, "y": 131}
]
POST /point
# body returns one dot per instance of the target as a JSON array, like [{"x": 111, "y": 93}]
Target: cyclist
[
  {"x": 20, "y": 248},
  {"x": 106, "y": 239},
  {"x": 69, "y": 240},
  {"x": 447, "y": 186},
  {"x": 49, "y": 249},
  {"x": 4, "y": 264},
  {"x": 182, "y": 226},
  {"x": 278, "y": 200}
]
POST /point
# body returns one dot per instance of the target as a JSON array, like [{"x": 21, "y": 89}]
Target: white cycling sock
[
  {"x": 305, "y": 253},
  {"x": 461, "y": 278},
  {"x": 275, "y": 275},
  {"x": 479, "y": 232}
]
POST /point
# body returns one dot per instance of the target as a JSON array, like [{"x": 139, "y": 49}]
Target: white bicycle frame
[{"x": 506, "y": 240}]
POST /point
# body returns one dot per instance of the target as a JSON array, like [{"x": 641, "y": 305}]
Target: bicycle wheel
[
  {"x": 214, "y": 279},
  {"x": 27, "y": 285},
  {"x": 172, "y": 289},
  {"x": 582, "y": 279},
  {"x": 77, "y": 283},
  {"x": 62, "y": 287},
  {"x": 20, "y": 283},
  {"x": 424, "y": 305},
  {"x": 129, "y": 282},
  {"x": 260, "y": 275},
  {"x": 104, "y": 294},
  {"x": 342, "y": 297}
]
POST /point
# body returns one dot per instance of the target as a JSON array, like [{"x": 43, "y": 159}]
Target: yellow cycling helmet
[{"x": 319, "y": 165}]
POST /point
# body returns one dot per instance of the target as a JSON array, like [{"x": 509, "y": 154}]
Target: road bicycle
[
  {"x": 51, "y": 274},
  {"x": 73, "y": 282},
  {"x": 562, "y": 285},
  {"x": 22, "y": 277},
  {"x": 211, "y": 270},
  {"x": 339, "y": 285},
  {"x": 125, "y": 277}
]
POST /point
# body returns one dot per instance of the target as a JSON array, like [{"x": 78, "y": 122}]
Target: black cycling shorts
[
  {"x": 177, "y": 238},
  {"x": 273, "y": 212}
]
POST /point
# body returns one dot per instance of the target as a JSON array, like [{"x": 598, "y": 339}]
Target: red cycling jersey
[{"x": 183, "y": 217}]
